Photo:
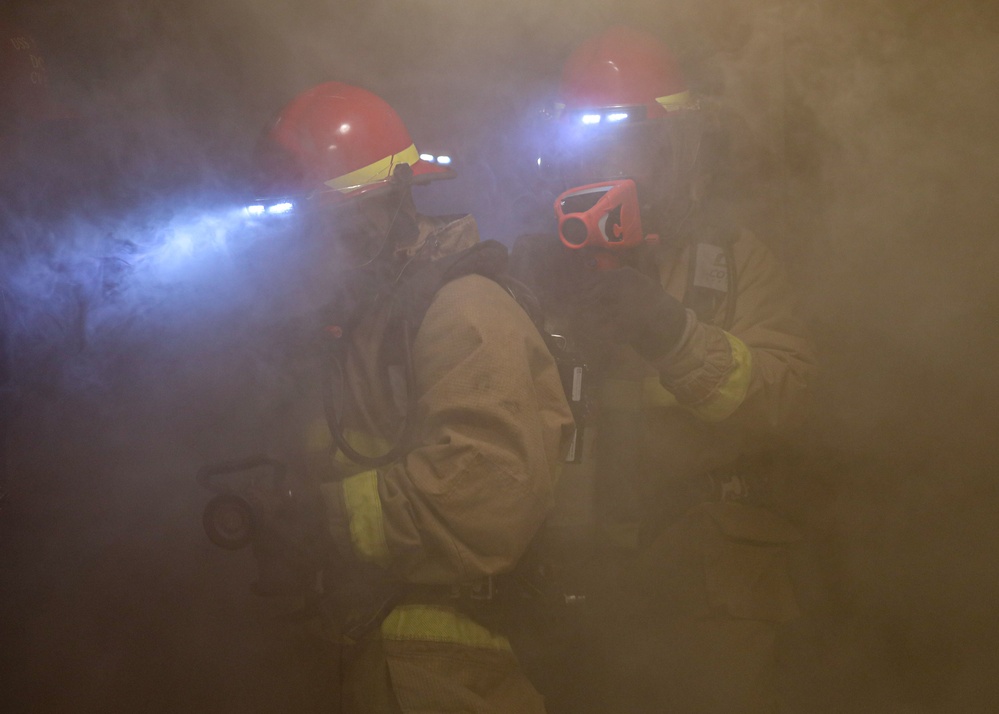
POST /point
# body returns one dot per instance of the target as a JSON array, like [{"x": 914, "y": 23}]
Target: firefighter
[
  {"x": 444, "y": 422},
  {"x": 703, "y": 373}
]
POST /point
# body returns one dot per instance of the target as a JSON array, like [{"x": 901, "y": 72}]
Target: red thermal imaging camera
[{"x": 601, "y": 217}]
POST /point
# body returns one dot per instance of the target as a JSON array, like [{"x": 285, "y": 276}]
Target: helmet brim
[
  {"x": 431, "y": 172},
  {"x": 423, "y": 172}
]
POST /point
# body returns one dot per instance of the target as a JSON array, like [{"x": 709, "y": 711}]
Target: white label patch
[
  {"x": 577, "y": 384},
  {"x": 711, "y": 268}
]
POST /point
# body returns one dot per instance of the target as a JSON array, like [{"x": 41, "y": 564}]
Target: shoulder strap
[
  {"x": 412, "y": 295},
  {"x": 415, "y": 292}
]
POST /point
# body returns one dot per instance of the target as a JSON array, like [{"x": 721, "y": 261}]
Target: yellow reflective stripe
[
  {"x": 378, "y": 171},
  {"x": 428, "y": 623},
  {"x": 680, "y": 100},
  {"x": 364, "y": 512},
  {"x": 732, "y": 391}
]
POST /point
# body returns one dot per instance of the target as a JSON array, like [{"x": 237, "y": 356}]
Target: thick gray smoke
[
  {"x": 900, "y": 189},
  {"x": 146, "y": 319}
]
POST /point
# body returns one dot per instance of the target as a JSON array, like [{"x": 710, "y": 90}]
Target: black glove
[{"x": 623, "y": 305}]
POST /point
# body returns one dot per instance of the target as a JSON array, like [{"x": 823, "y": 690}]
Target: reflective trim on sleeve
[
  {"x": 364, "y": 511},
  {"x": 731, "y": 392},
  {"x": 439, "y": 624},
  {"x": 380, "y": 170}
]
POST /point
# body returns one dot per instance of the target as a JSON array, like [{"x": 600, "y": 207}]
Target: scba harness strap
[{"x": 411, "y": 294}]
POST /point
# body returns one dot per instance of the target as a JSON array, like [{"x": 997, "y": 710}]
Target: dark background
[{"x": 865, "y": 139}]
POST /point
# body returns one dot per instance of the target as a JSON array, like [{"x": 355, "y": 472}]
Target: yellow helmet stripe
[
  {"x": 378, "y": 171},
  {"x": 674, "y": 102}
]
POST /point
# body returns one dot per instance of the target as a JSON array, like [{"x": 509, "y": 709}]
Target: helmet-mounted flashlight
[
  {"x": 603, "y": 217},
  {"x": 605, "y": 116},
  {"x": 273, "y": 207}
]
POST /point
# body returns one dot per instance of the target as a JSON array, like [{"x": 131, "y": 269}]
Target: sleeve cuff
[
  {"x": 356, "y": 519},
  {"x": 709, "y": 372}
]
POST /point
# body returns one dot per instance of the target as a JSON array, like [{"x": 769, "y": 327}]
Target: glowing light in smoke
[
  {"x": 427, "y": 157},
  {"x": 255, "y": 210},
  {"x": 444, "y": 160},
  {"x": 617, "y": 116},
  {"x": 184, "y": 244},
  {"x": 591, "y": 119},
  {"x": 279, "y": 208}
]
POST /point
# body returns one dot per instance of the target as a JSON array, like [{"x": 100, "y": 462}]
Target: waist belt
[
  {"x": 672, "y": 500},
  {"x": 471, "y": 598}
]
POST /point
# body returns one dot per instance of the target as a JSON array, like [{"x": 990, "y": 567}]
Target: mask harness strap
[{"x": 335, "y": 423}]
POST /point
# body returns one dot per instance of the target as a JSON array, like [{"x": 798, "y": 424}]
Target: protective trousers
[{"x": 701, "y": 609}]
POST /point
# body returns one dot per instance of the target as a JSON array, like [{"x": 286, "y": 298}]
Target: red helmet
[
  {"x": 627, "y": 113},
  {"x": 626, "y": 70},
  {"x": 335, "y": 142}
]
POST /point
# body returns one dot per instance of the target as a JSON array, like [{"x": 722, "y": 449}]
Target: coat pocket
[{"x": 745, "y": 557}]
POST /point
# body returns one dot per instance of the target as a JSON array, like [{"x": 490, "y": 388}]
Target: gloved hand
[
  {"x": 623, "y": 305},
  {"x": 291, "y": 542}
]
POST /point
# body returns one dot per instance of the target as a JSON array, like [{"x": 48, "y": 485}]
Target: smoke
[
  {"x": 142, "y": 311},
  {"x": 892, "y": 148}
]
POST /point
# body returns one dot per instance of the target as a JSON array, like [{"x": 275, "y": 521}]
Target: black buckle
[{"x": 481, "y": 590}]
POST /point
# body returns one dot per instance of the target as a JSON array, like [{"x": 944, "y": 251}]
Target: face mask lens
[{"x": 581, "y": 202}]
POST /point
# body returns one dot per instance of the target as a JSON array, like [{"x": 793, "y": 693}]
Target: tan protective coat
[
  {"x": 714, "y": 576},
  {"x": 491, "y": 425},
  {"x": 679, "y": 442}
]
